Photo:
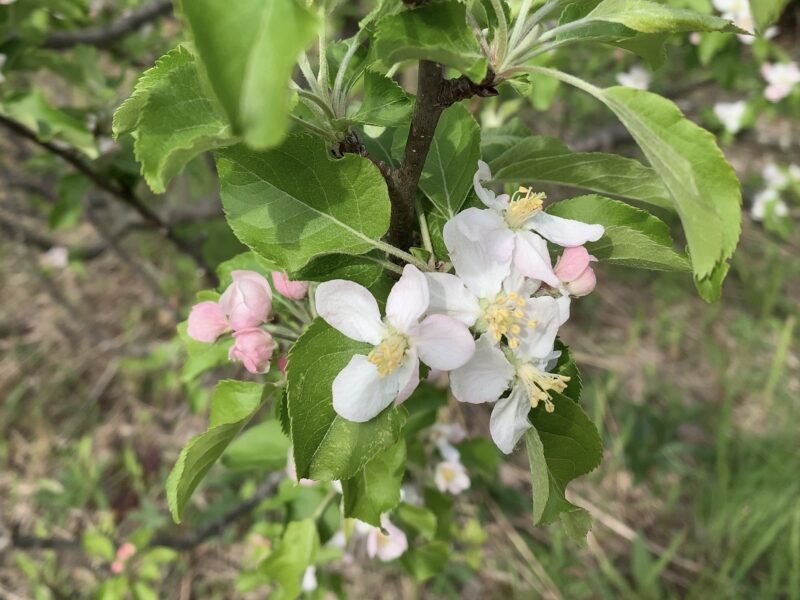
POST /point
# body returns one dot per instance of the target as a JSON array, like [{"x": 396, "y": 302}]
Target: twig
[
  {"x": 106, "y": 35},
  {"x": 121, "y": 192}
]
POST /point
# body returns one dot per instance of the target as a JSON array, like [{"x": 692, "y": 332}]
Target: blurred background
[{"x": 699, "y": 405}]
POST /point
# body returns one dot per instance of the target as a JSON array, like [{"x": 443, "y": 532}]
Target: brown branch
[
  {"x": 104, "y": 36},
  {"x": 118, "y": 191}
]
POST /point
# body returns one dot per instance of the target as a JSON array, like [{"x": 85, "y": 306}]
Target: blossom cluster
[
  {"x": 492, "y": 323},
  {"x": 770, "y": 200}
]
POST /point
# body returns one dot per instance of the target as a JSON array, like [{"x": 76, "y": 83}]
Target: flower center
[
  {"x": 523, "y": 204},
  {"x": 388, "y": 355},
  {"x": 540, "y": 384},
  {"x": 448, "y": 474},
  {"x": 505, "y": 317}
]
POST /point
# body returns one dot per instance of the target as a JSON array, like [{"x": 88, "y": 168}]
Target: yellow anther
[
  {"x": 540, "y": 383},
  {"x": 513, "y": 296},
  {"x": 532, "y": 323},
  {"x": 513, "y": 343},
  {"x": 388, "y": 355},
  {"x": 515, "y": 329},
  {"x": 524, "y": 204}
]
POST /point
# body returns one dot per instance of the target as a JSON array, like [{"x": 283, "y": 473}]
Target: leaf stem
[
  {"x": 426, "y": 233},
  {"x": 401, "y": 254},
  {"x": 519, "y": 24},
  {"x": 323, "y": 506}
]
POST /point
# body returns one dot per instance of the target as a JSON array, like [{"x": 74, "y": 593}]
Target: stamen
[
  {"x": 506, "y": 317},
  {"x": 540, "y": 383},
  {"x": 388, "y": 355},
  {"x": 524, "y": 204}
]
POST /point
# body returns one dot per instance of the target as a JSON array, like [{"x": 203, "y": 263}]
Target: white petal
[
  {"x": 510, "y": 419},
  {"x": 360, "y": 393},
  {"x": 408, "y": 300},
  {"x": 481, "y": 247},
  {"x": 408, "y": 378},
  {"x": 537, "y": 341},
  {"x": 444, "y": 343},
  {"x": 532, "y": 259},
  {"x": 485, "y": 377},
  {"x": 449, "y": 296},
  {"x": 564, "y": 232},
  {"x": 488, "y": 197},
  {"x": 563, "y": 308},
  {"x": 351, "y": 309}
]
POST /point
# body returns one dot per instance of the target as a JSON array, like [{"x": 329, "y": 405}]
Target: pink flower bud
[
  {"x": 574, "y": 271},
  {"x": 254, "y": 348},
  {"x": 126, "y": 551},
  {"x": 207, "y": 322},
  {"x": 295, "y": 290},
  {"x": 116, "y": 567},
  {"x": 282, "y": 363},
  {"x": 247, "y": 301}
]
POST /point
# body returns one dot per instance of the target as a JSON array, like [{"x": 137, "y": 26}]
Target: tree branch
[
  {"x": 104, "y": 36},
  {"x": 120, "y": 192}
]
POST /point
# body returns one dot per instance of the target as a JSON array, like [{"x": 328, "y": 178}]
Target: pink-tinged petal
[
  {"x": 408, "y": 300},
  {"x": 294, "y": 290},
  {"x": 247, "y": 301},
  {"x": 572, "y": 263},
  {"x": 532, "y": 259},
  {"x": 360, "y": 393},
  {"x": 564, "y": 232},
  {"x": 389, "y": 545},
  {"x": 537, "y": 342},
  {"x": 444, "y": 343},
  {"x": 207, "y": 321},
  {"x": 117, "y": 567},
  {"x": 253, "y": 347},
  {"x": 583, "y": 285},
  {"x": 485, "y": 377},
  {"x": 126, "y": 551},
  {"x": 563, "y": 303},
  {"x": 349, "y": 308},
  {"x": 488, "y": 197},
  {"x": 282, "y": 361},
  {"x": 449, "y": 296},
  {"x": 777, "y": 92},
  {"x": 410, "y": 380},
  {"x": 509, "y": 419},
  {"x": 481, "y": 247}
]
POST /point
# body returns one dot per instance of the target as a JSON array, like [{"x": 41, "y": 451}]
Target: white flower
[
  {"x": 444, "y": 435},
  {"x": 731, "y": 115},
  {"x": 389, "y": 545},
  {"x": 765, "y": 201},
  {"x": 410, "y": 494},
  {"x": 491, "y": 371},
  {"x": 451, "y": 477},
  {"x": 309, "y": 579},
  {"x": 368, "y": 384},
  {"x": 738, "y": 11},
  {"x": 775, "y": 177},
  {"x": 483, "y": 244},
  {"x": 781, "y": 77},
  {"x": 638, "y": 77},
  {"x": 55, "y": 258}
]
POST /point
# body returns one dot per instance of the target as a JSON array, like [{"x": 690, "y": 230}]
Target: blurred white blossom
[
  {"x": 765, "y": 201},
  {"x": 55, "y": 258},
  {"x": 781, "y": 79},
  {"x": 452, "y": 477},
  {"x": 638, "y": 77},
  {"x": 731, "y": 115}
]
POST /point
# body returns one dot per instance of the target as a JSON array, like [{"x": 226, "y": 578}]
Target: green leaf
[
  {"x": 249, "y": 54},
  {"x": 651, "y": 17},
  {"x": 767, "y": 12},
  {"x": 417, "y": 517},
  {"x": 577, "y": 524},
  {"x": 295, "y": 202},
  {"x": 327, "y": 446},
  {"x": 287, "y": 564},
  {"x": 566, "y": 366},
  {"x": 480, "y": 456},
  {"x": 364, "y": 269},
  {"x": 702, "y": 184},
  {"x": 385, "y": 103},
  {"x": 452, "y": 160},
  {"x": 173, "y": 119},
  {"x": 262, "y": 447},
  {"x": 202, "y": 357},
  {"x": 71, "y": 190},
  {"x": 566, "y": 445},
  {"x": 232, "y": 406},
  {"x": 633, "y": 237},
  {"x": 376, "y": 488},
  {"x": 543, "y": 159},
  {"x": 97, "y": 545},
  {"x": 426, "y": 561},
  {"x": 436, "y": 31}
]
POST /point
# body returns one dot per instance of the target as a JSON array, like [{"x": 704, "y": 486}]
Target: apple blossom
[
  {"x": 56, "y": 257},
  {"x": 309, "y": 583},
  {"x": 451, "y": 476},
  {"x": 638, "y": 77},
  {"x": 782, "y": 78},
  {"x": 390, "y": 372},
  {"x": 126, "y": 551},
  {"x": 254, "y": 348},
  {"x": 117, "y": 566},
  {"x": 444, "y": 435},
  {"x": 574, "y": 270},
  {"x": 774, "y": 177},
  {"x": 389, "y": 545},
  {"x": 483, "y": 244},
  {"x": 207, "y": 321},
  {"x": 766, "y": 201},
  {"x": 247, "y": 301},
  {"x": 294, "y": 290},
  {"x": 731, "y": 115}
]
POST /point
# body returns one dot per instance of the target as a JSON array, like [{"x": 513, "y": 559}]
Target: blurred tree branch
[{"x": 104, "y": 36}]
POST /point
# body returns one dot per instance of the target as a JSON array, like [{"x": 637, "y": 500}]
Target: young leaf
[
  {"x": 201, "y": 356},
  {"x": 633, "y": 237},
  {"x": 173, "y": 119},
  {"x": 326, "y": 446},
  {"x": 376, "y": 488},
  {"x": 262, "y": 447},
  {"x": 564, "y": 443},
  {"x": 295, "y": 202},
  {"x": 426, "y": 561},
  {"x": 651, "y": 17},
  {"x": 364, "y": 269},
  {"x": 232, "y": 406},
  {"x": 452, "y": 160},
  {"x": 287, "y": 564},
  {"x": 418, "y": 517},
  {"x": 548, "y": 160},
  {"x": 249, "y": 54},
  {"x": 385, "y": 103},
  {"x": 436, "y": 31}
]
